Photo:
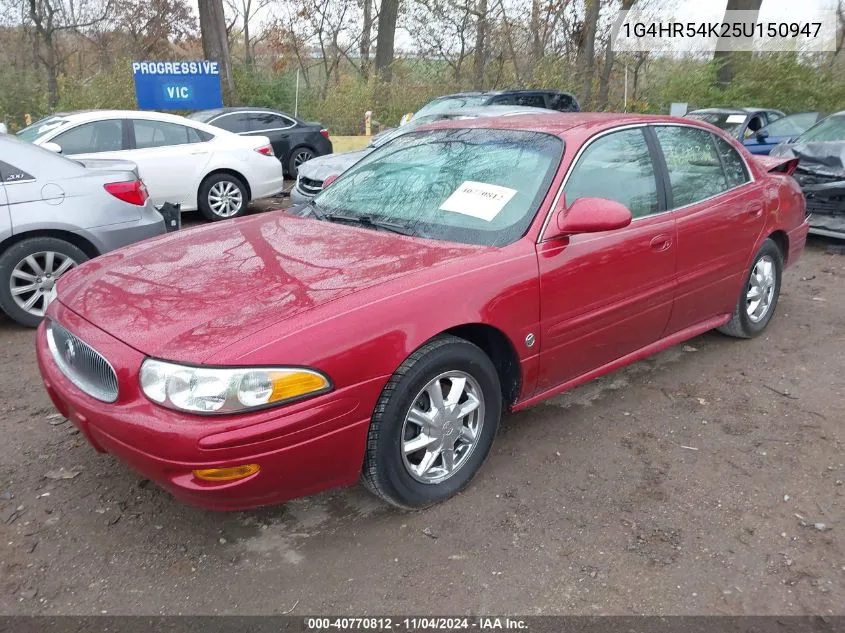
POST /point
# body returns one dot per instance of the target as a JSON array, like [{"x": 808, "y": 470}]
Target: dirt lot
[{"x": 695, "y": 482}]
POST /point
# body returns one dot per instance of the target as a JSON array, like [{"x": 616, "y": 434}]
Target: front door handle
[{"x": 661, "y": 242}]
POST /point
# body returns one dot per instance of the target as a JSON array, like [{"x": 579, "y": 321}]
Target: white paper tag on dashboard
[
  {"x": 735, "y": 118},
  {"x": 478, "y": 199}
]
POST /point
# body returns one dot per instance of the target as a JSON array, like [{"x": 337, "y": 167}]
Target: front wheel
[
  {"x": 759, "y": 295},
  {"x": 223, "y": 196},
  {"x": 433, "y": 425},
  {"x": 299, "y": 156},
  {"x": 28, "y": 272}
]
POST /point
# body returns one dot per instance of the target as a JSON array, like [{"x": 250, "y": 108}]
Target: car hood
[
  {"x": 331, "y": 164},
  {"x": 186, "y": 295}
]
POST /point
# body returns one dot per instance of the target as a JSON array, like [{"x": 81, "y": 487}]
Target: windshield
[
  {"x": 728, "y": 121},
  {"x": 38, "y": 128},
  {"x": 830, "y": 129},
  {"x": 476, "y": 186},
  {"x": 449, "y": 103}
]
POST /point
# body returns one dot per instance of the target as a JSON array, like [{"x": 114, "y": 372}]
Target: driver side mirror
[
  {"x": 53, "y": 147},
  {"x": 587, "y": 215},
  {"x": 762, "y": 135}
]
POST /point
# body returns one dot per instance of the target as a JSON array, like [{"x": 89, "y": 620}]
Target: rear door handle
[{"x": 661, "y": 242}]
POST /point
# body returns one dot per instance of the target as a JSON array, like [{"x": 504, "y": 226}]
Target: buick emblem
[{"x": 70, "y": 351}]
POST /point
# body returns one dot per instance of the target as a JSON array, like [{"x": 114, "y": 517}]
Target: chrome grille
[
  {"x": 84, "y": 366},
  {"x": 308, "y": 186}
]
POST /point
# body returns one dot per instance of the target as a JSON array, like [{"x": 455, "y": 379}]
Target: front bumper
[{"x": 301, "y": 448}]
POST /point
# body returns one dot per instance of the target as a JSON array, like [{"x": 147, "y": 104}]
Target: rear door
[
  {"x": 719, "y": 211},
  {"x": 275, "y": 127},
  {"x": 171, "y": 159},
  {"x": 606, "y": 295}
]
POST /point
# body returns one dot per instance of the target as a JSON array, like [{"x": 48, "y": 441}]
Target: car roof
[
  {"x": 557, "y": 123},
  {"x": 731, "y": 110},
  {"x": 80, "y": 116},
  {"x": 496, "y": 93},
  {"x": 227, "y": 110}
]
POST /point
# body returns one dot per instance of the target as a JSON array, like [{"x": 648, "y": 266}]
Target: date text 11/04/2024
[{"x": 416, "y": 624}]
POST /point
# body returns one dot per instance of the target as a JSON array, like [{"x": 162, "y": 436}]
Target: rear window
[{"x": 449, "y": 103}]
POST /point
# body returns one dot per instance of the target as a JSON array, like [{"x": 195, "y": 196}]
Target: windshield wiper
[
  {"x": 312, "y": 207},
  {"x": 369, "y": 221}
]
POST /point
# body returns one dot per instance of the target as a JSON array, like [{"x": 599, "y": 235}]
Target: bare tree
[
  {"x": 215, "y": 43},
  {"x": 480, "y": 42},
  {"x": 726, "y": 59},
  {"x": 388, "y": 14},
  {"x": 366, "y": 37},
  {"x": 245, "y": 11},
  {"x": 51, "y": 17},
  {"x": 587, "y": 51}
]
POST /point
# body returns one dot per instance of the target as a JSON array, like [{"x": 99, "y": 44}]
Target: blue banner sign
[{"x": 177, "y": 85}]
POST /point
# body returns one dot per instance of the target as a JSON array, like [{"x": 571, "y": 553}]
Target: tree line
[{"x": 388, "y": 56}]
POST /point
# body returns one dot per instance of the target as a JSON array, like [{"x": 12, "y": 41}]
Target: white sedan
[{"x": 181, "y": 161}]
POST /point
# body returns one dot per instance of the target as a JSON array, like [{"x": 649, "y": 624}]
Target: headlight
[{"x": 230, "y": 390}]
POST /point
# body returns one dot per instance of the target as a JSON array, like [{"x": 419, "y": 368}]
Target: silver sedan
[{"x": 56, "y": 213}]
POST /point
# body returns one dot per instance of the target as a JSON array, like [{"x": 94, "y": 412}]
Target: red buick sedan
[{"x": 380, "y": 331}]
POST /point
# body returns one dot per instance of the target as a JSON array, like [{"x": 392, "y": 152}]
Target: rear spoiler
[{"x": 778, "y": 164}]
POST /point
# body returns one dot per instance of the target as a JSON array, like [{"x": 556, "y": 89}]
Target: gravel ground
[{"x": 705, "y": 480}]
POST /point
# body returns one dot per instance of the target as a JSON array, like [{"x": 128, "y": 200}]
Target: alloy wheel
[
  {"x": 761, "y": 289},
  {"x": 34, "y": 277},
  {"x": 442, "y": 427},
  {"x": 225, "y": 199}
]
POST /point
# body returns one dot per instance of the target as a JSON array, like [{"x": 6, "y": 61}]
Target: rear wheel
[
  {"x": 297, "y": 157},
  {"x": 434, "y": 424},
  {"x": 223, "y": 196},
  {"x": 28, "y": 272},
  {"x": 759, "y": 295}
]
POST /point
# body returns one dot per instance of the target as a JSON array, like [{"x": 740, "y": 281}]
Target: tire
[
  {"x": 388, "y": 468},
  {"x": 298, "y": 156},
  {"x": 219, "y": 195},
  {"x": 52, "y": 257},
  {"x": 750, "y": 317}
]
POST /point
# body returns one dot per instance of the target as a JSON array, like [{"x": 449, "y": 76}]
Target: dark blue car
[{"x": 780, "y": 131}]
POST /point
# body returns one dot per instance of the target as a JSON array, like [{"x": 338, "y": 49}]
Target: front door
[{"x": 606, "y": 295}]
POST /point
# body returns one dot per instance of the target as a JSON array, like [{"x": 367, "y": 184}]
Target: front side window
[
  {"x": 617, "y": 166},
  {"x": 161, "y": 134},
  {"x": 791, "y": 125},
  {"x": 476, "y": 186},
  {"x": 92, "y": 138},
  {"x": 563, "y": 103},
  {"x": 695, "y": 170},
  {"x": 534, "y": 101}
]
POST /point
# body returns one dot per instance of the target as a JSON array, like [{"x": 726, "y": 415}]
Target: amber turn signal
[{"x": 227, "y": 474}]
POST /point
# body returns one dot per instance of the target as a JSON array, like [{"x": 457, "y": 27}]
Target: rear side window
[
  {"x": 735, "y": 170},
  {"x": 92, "y": 138},
  {"x": 237, "y": 122},
  {"x": 9, "y": 174},
  {"x": 262, "y": 121},
  {"x": 695, "y": 169},
  {"x": 619, "y": 167},
  {"x": 161, "y": 134},
  {"x": 562, "y": 103}
]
